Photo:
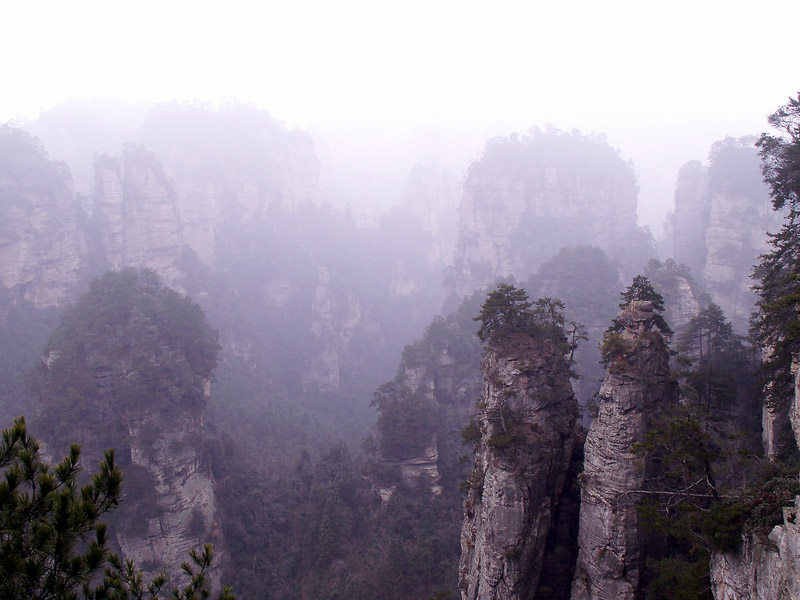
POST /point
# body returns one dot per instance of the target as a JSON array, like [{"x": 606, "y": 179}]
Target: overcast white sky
[{"x": 663, "y": 80}]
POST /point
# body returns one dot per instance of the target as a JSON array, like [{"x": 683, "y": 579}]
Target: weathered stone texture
[
  {"x": 636, "y": 387},
  {"x": 765, "y": 567},
  {"x": 527, "y": 434},
  {"x": 137, "y": 215},
  {"x": 43, "y": 255},
  {"x": 520, "y": 207}
]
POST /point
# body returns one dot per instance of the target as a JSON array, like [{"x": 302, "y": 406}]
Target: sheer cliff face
[
  {"x": 722, "y": 215},
  {"x": 137, "y": 215},
  {"x": 636, "y": 386},
  {"x": 690, "y": 220},
  {"x": 766, "y": 566},
  {"x": 735, "y": 238},
  {"x": 527, "y": 422},
  {"x": 526, "y": 198},
  {"x": 42, "y": 251}
]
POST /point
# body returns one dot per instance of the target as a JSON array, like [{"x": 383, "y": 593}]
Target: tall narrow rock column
[
  {"x": 527, "y": 420},
  {"x": 636, "y": 385}
]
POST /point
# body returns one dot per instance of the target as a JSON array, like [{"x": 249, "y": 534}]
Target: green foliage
[
  {"x": 724, "y": 525},
  {"x": 753, "y": 508},
  {"x": 126, "y": 582},
  {"x": 679, "y": 579},
  {"x": 641, "y": 290},
  {"x": 587, "y": 281},
  {"x": 506, "y": 309},
  {"x": 613, "y": 347},
  {"x": 471, "y": 434},
  {"x": 684, "y": 455},
  {"x": 24, "y": 161},
  {"x": 776, "y": 326},
  {"x": 146, "y": 344},
  {"x": 717, "y": 365},
  {"x": 406, "y": 422},
  {"x": 51, "y": 541}
]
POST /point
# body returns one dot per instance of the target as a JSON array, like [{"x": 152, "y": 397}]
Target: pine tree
[
  {"x": 52, "y": 544},
  {"x": 641, "y": 290},
  {"x": 776, "y": 326},
  {"x": 506, "y": 309}
]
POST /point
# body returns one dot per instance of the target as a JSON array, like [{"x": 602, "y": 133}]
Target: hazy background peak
[{"x": 389, "y": 85}]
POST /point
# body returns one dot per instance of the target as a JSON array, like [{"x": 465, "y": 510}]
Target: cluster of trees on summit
[{"x": 299, "y": 507}]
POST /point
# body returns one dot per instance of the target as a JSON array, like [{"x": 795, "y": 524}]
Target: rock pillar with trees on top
[{"x": 636, "y": 387}]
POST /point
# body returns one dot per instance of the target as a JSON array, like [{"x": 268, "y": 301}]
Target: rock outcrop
[
  {"x": 528, "y": 197},
  {"x": 637, "y": 386},
  {"x": 130, "y": 368},
  {"x": 722, "y": 216},
  {"x": 527, "y": 428},
  {"x": 765, "y": 566},
  {"x": 43, "y": 255},
  {"x": 422, "y": 411},
  {"x": 136, "y": 214},
  {"x": 690, "y": 219}
]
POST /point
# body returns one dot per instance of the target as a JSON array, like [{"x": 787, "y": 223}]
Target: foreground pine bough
[{"x": 52, "y": 544}]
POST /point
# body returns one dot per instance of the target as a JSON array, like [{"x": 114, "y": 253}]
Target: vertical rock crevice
[
  {"x": 527, "y": 423},
  {"x": 636, "y": 387}
]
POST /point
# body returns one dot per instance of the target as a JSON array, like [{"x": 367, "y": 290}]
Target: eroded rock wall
[
  {"x": 527, "y": 424},
  {"x": 720, "y": 224},
  {"x": 765, "y": 566},
  {"x": 636, "y": 387},
  {"x": 529, "y": 196},
  {"x": 136, "y": 215},
  {"x": 43, "y": 255}
]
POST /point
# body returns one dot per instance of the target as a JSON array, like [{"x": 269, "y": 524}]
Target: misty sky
[{"x": 421, "y": 80}]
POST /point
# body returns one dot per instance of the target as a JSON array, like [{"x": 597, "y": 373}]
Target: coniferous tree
[
  {"x": 641, "y": 290},
  {"x": 507, "y": 308},
  {"x": 776, "y": 326},
  {"x": 52, "y": 543}
]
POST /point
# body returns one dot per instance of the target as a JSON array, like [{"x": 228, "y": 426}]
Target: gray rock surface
[
  {"x": 765, "y": 567},
  {"x": 636, "y": 386},
  {"x": 519, "y": 208},
  {"x": 527, "y": 423},
  {"x": 43, "y": 254},
  {"x": 137, "y": 215}
]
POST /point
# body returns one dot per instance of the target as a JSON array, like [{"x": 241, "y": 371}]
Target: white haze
[{"x": 387, "y": 85}]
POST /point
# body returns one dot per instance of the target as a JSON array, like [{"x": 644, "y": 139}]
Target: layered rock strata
[
  {"x": 527, "y": 424},
  {"x": 636, "y": 387}
]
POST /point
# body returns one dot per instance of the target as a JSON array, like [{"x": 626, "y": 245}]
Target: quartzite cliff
[
  {"x": 637, "y": 386},
  {"x": 527, "y": 423}
]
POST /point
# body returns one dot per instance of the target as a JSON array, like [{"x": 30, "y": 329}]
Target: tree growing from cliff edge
[
  {"x": 776, "y": 326},
  {"x": 506, "y": 309},
  {"x": 641, "y": 290}
]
